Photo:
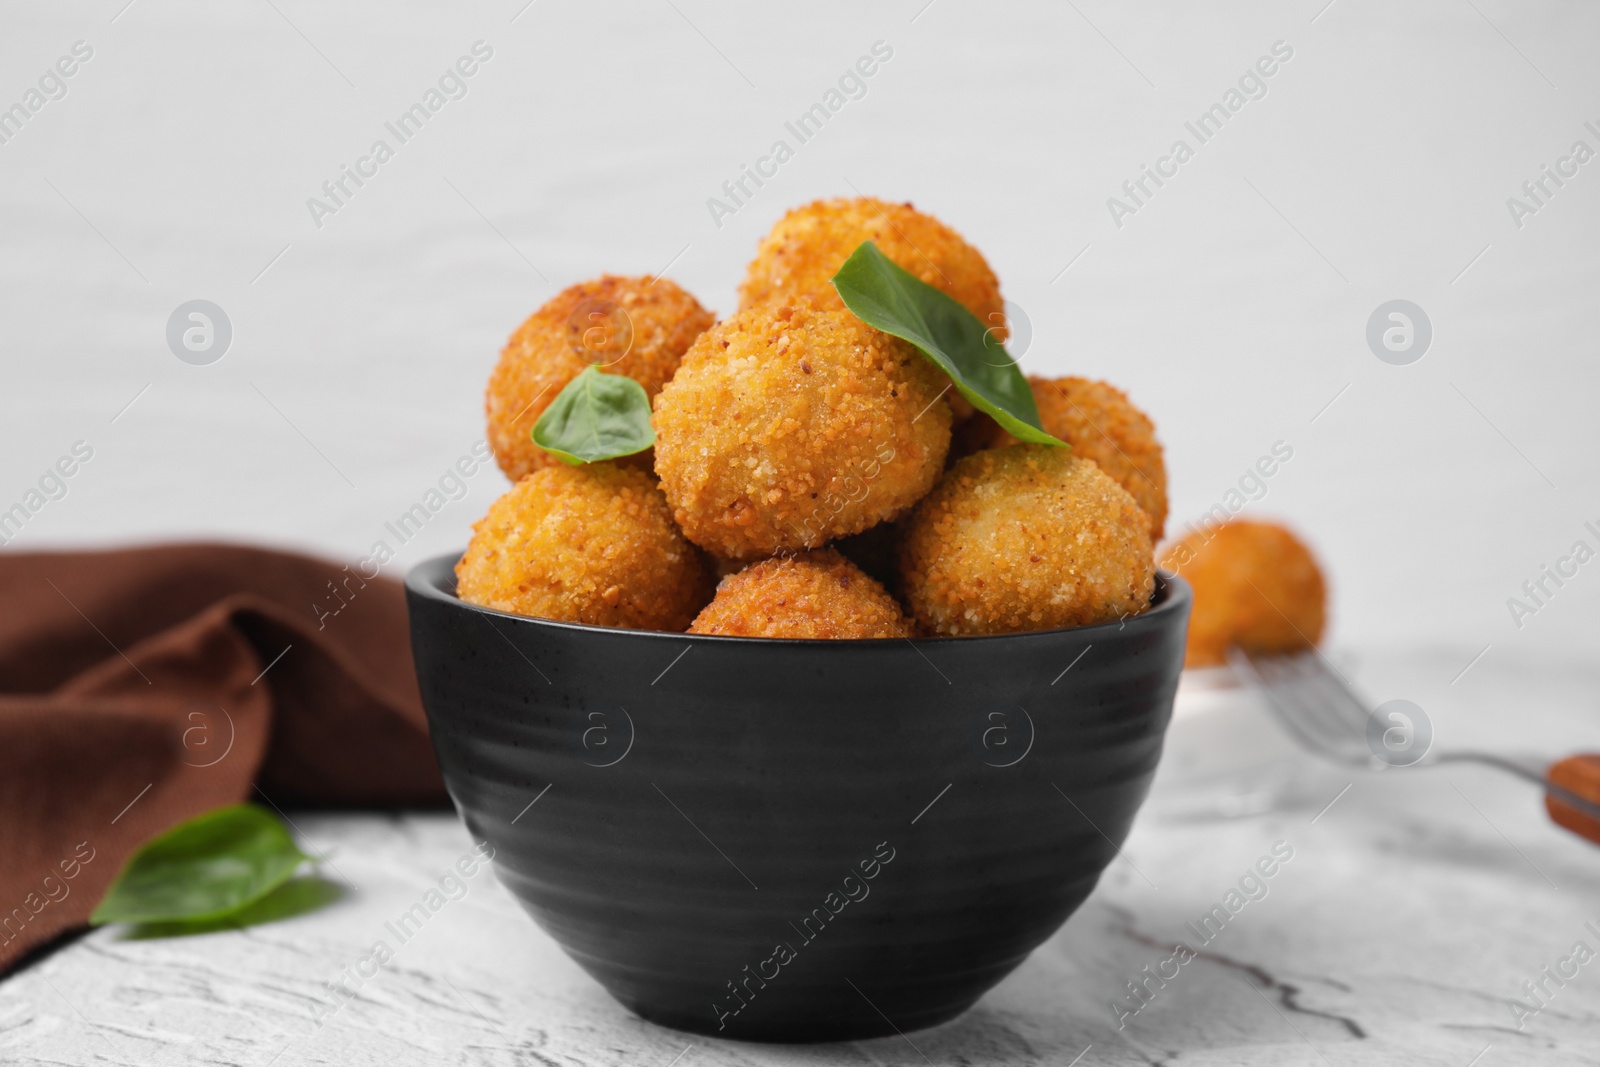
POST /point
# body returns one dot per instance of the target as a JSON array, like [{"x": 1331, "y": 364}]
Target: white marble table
[{"x": 1412, "y": 909}]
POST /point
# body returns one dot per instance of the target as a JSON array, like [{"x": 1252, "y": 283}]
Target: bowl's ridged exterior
[{"x": 696, "y": 799}]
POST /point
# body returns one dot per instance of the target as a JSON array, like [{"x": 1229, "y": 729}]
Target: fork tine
[
  {"x": 1343, "y": 711},
  {"x": 1314, "y": 702},
  {"x": 1309, "y": 700},
  {"x": 1267, "y": 678}
]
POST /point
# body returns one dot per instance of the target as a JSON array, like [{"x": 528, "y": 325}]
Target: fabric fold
[{"x": 142, "y": 687}]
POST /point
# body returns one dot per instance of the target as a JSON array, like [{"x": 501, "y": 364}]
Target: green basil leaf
[
  {"x": 893, "y": 300},
  {"x": 300, "y": 895},
  {"x": 597, "y": 416},
  {"x": 204, "y": 868}
]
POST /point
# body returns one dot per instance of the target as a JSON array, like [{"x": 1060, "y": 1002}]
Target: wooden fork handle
[{"x": 1578, "y": 774}]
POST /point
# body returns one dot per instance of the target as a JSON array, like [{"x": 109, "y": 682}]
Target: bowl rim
[{"x": 434, "y": 579}]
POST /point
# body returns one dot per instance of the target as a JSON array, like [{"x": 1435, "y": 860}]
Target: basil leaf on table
[
  {"x": 204, "y": 868},
  {"x": 891, "y": 299},
  {"x": 597, "y": 416}
]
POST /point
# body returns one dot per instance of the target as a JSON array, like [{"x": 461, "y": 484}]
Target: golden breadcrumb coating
[
  {"x": 808, "y": 245},
  {"x": 813, "y": 595},
  {"x": 1099, "y": 421},
  {"x": 1028, "y": 537},
  {"x": 634, "y": 326},
  {"x": 789, "y": 425},
  {"x": 1256, "y": 586},
  {"x": 592, "y": 544}
]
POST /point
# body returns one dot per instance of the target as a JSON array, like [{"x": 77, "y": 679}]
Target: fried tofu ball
[
  {"x": 1027, "y": 537},
  {"x": 634, "y": 326},
  {"x": 1100, "y": 422},
  {"x": 813, "y": 595},
  {"x": 592, "y": 544},
  {"x": 1256, "y": 586},
  {"x": 809, "y": 244},
  {"x": 790, "y": 425}
]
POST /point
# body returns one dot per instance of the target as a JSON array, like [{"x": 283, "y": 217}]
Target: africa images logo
[
  {"x": 1252, "y": 85},
  {"x": 1399, "y": 332},
  {"x": 199, "y": 332},
  {"x": 452, "y": 85}
]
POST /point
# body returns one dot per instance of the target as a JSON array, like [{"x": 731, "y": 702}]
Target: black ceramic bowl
[{"x": 794, "y": 840}]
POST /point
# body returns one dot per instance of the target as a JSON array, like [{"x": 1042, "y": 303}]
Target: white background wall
[{"x": 1232, "y": 306}]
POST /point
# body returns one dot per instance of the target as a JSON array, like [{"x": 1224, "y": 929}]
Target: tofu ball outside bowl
[{"x": 782, "y": 840}]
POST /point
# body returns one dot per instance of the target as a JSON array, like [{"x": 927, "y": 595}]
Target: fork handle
[
  {"x": 1571, "y": 787},
  {"x": 1578, "y": 775}
]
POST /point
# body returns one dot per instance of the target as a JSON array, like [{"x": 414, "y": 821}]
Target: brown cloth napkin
[{"x": 142, "y": 687}]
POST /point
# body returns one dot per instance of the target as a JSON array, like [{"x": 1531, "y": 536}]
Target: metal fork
[{"x": 1319, "y": 709}]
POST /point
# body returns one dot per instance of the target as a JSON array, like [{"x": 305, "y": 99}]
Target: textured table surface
[{"x": 1413, "y": 909}]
